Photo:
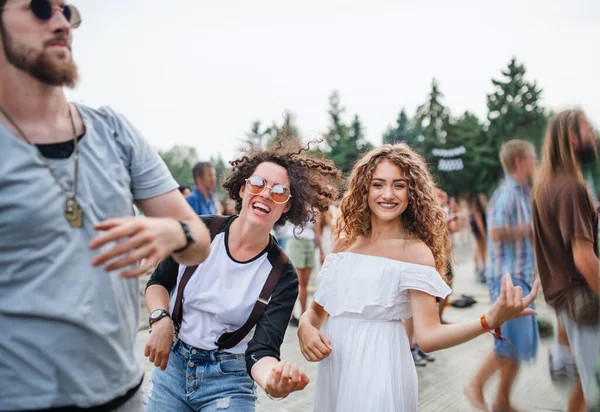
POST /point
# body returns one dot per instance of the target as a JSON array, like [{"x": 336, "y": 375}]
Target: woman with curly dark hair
[
  {"x": 229, "y": 325},
  {"x": 388, "y": 264}
]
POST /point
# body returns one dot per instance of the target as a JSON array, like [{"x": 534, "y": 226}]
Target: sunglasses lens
[
  {"x": 280, "y": 193},
  {"x": 72, "y": 15},
  {"x": 68, "y": 14},
  {"x": 256, "y": 185},
  {"x": 42, "y": 9}
]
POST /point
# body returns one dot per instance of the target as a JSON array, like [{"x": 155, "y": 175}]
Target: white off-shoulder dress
[{"x": 370, "y": 367}]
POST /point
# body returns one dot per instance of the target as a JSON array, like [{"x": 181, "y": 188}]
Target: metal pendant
[{"x": 73, "y": 212}]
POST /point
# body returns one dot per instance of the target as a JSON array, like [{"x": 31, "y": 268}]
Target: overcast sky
[{"x": 198, "y": 72}]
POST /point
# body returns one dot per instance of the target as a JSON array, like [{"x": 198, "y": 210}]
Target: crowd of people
[{"x": 223, "y": 289}]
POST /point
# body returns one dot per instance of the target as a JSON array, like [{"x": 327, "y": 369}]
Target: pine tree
[
  {"x": 346, "y": 143},
  {"x": 431, "y": 127},
  {"x": 403, "y": 132},
  {"x": 514, "y": 111},
  {"x": 220, "y": 170}
]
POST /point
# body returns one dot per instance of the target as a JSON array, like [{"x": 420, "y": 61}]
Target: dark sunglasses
[
  {"x": 279, "y": 193},
  {"x": 44, "y": 10}
]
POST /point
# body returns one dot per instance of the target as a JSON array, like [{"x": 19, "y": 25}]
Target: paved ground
[{"x": 440, "y": 382}]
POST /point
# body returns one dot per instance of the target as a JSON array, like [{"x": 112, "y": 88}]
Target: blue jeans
[{"x": 203, "y": 381}]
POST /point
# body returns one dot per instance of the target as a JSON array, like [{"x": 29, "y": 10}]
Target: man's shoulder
[
  {"x": 106, "y": 116},
  {"x": 563, "y": 185}
]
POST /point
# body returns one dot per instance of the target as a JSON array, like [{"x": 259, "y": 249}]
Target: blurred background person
[
  {"x": 452, "y": 225},
  {"x": 479, "y": 228},
  {"x": 323, "y": 230},
  {"x": 511, "y": 252},
  {"x": 566, "y": 242},
  {"x": 229, "y": 207},
  {"x": 185, "y": 191},
  {"x": 300, "y": 248},
  {"x": 202, "y": 197}
]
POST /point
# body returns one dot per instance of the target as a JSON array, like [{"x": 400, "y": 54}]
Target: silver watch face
[{"x": 156, "y": 314}]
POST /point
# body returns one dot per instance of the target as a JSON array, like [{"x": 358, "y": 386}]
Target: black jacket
[{"x": 270, "y": 330}]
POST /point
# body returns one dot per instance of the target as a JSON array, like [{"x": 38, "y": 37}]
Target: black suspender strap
[{"x": 230, "y": 339}]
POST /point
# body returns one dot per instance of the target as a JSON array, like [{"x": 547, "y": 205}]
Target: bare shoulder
[{"x": 415, "y": 251}]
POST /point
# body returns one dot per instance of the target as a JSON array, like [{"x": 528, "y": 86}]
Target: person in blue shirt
[{"x": 202, "y": 197}]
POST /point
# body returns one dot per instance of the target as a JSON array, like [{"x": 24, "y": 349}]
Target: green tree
[
  {"x": 345, "y": 143},
  {"x": 402, "y": 132},
  {"x": 220, "y": 170},
  {"x": 262, "y": 137},
  {"x": 181, "y": 160},
  {"x": 514, "y": 112},
  {"x": 468, "y": 132},
  {"x": 258, "y": 136},
  {"x": 432, "y": 121}
]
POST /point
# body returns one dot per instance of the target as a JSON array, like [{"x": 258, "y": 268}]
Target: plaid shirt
[{"x": 510, "y": 207}]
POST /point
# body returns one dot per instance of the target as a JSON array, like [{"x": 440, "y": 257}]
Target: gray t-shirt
[{"x": 68, "y": 329}]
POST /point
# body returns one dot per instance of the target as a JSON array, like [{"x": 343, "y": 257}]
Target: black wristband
[{"x": 188, "y": 237}]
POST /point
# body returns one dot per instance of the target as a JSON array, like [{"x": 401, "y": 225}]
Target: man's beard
[
  {"x": 587, "y": 152},
  {"x": 40, "y": 65}
]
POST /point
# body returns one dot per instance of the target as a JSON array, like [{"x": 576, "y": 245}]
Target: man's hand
[
  {"x": 138, "y": 238},
  {"x": 158, "y": 347}
]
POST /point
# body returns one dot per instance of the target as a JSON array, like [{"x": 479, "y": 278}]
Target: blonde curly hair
[{"x": 423, "y": 219}]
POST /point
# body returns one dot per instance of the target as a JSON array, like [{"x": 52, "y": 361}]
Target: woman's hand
[
  {"x": 284, "y": 379},
  {"x": 314, "y": 345},
  {"x": 158, "y": 346},
  {"x": 511, "y": 303}
]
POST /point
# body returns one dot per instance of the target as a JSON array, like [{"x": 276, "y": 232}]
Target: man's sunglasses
[
  {"x": 44, "y": 10},
  {"x": 280, "y": 194}
]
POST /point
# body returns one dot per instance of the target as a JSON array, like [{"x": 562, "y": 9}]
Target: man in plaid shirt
[{"x": 511, "y": 253}]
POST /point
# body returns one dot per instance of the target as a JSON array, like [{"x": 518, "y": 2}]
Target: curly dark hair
[{"x": 314, "y": 181}]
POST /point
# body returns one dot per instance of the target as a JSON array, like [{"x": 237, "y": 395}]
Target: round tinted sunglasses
[
  {"x": 44, "y": 10},
  {"x": 280, "y": 194}
]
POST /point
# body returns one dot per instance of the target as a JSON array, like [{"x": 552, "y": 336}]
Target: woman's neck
[
  {"x": 385, "y": 229},
  {"x": 246, "y": 239}
]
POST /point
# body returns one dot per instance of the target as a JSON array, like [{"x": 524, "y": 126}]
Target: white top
[
  {"x": 213, "y": 305},
  {"x": 308, "y": 233},
  {"x": 374, "y": 287}
]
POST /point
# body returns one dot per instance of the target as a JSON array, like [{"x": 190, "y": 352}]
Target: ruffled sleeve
[{"x": 423, "y": 278}]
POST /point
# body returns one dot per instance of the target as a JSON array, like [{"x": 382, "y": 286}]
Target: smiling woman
[
  {"x": 270, "y": 187},
  {"x": 387, "y": 266}
]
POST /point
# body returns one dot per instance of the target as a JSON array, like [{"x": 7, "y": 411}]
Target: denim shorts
[
  {"x": 522, "y": 332},
  {"x": 199, "y": 380}
]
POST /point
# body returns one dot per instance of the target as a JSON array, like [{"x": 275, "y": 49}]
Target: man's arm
[
  {"x": 586, "y": 262},
  {"x": 501, "y": 229},
  {"x": 151, "y": 238},
  {"x": 173, "y": 205},
  {"x": 511, "y": 234}
]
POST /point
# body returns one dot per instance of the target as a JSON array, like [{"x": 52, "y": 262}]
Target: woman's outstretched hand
[
  {"x": 511, "y": 303},
  {"x": 284, "y": 379}
]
